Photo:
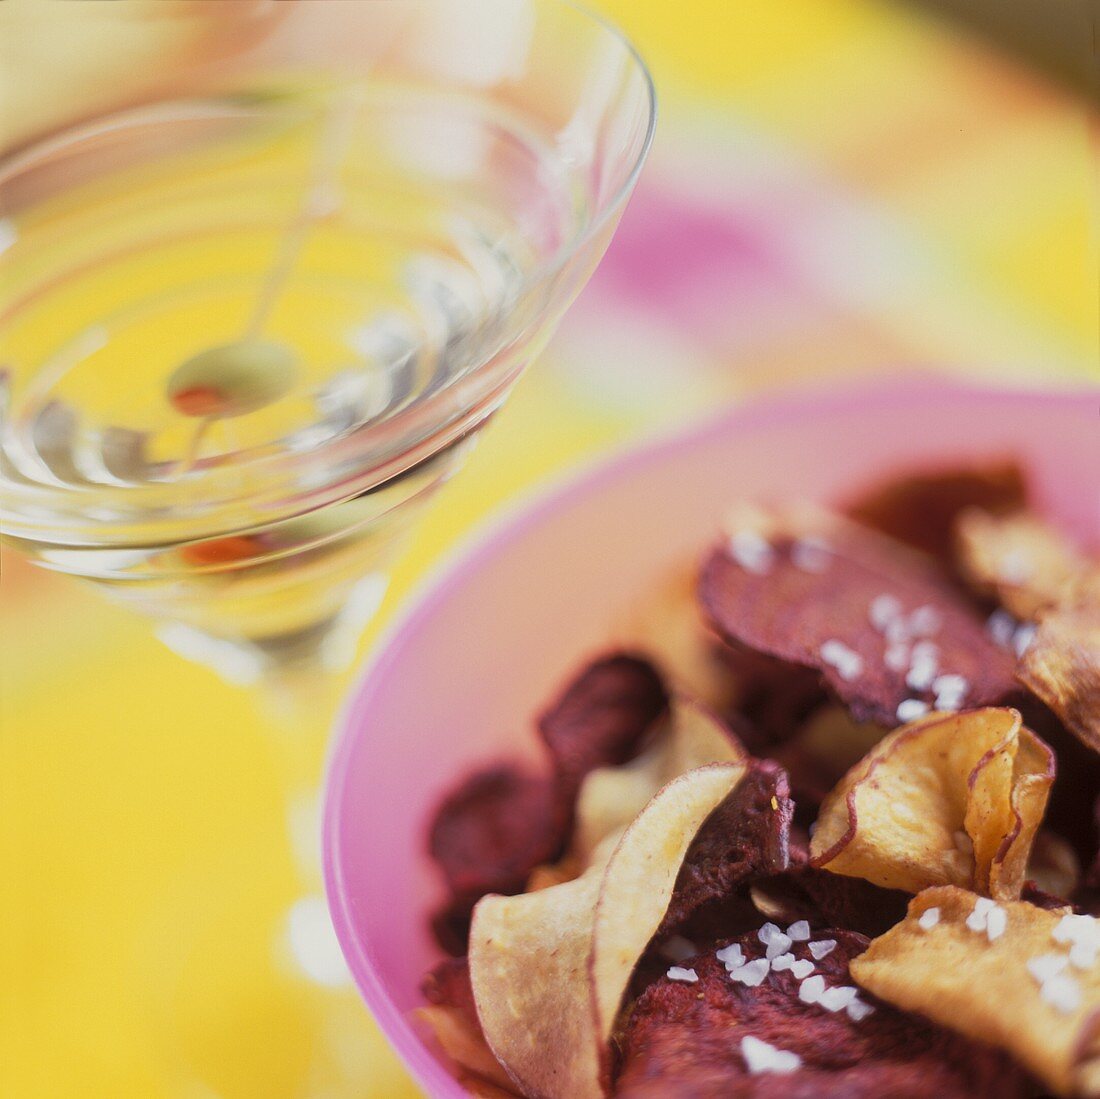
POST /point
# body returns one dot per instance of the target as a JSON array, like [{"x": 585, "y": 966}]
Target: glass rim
[{"x": 66, "y": 513}]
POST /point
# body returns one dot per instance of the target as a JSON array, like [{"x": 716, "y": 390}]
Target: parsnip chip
[
  {"x": 885, "y": 629},
  {"x": 1062, "y": 667},
  {"x": 611, "y": 797},
  {"x": 952, "y": 799},
  {"x": 1013, "y": 975},
  {"x": 452, "y": 1018},
  {"x": 920, "y": 508},
  {"x": 1026, "y": 564},
  {"x": 549, "y": 969},
  {"x": 668, "y": 627}
]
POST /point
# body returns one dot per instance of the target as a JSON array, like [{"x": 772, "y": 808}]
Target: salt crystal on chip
[
  {"x": 1001, "y": 626},
  {"x": 1062, "y": 992},
  {"x": 858, "y": 1010},
  {"x": 811, "y": 554},
  {"x": 752, "y": 552},
  {"x": 678, "y": 973},
  {"x": 978, "y": 919},
  {"x": 822, "y": 949},
  {"x": 911, "y": 709},
  {"x": 896, "y": 657},
  {"x": 799, "y": 931},
  {"x": 1083, "y": 955},
  {"x": 929, "y": 918},
  {"x": 811, "y": 989},
  {"x": 782, "y": 962},
  {"x": 1045, "y": 966},
  {"x": 1022, "y": 639},
  {"x": 761, "y": 1057},
  {"x": 920, "y": 675},
  {"x": 1075, "y": 928},
  {"x": 883, "y": 610},
  {"x": 996, "y": 922},
  {"x": 802, "y": 968},
  {"x": 751, "y": 973},
  {"x": 925, "y": 621},
  {"x": 847, "y": 662},
  {"x": 731, "y": 956},
  {"x": 777, "y": 947},
  {"x": 837, "y": 999}
]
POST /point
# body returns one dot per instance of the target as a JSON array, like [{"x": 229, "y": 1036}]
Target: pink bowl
[{"x": 457, "y": 680}]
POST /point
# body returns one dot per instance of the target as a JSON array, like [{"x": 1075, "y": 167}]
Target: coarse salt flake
[
  {"x": 761, "y": 1057},
  {"x": 858, "y": 1010},
  {"x": 1075, "y": 928},
  {"x": 802, "y": 968},
  {"x": 1001, "y": 626},
  {"x": 799, "y": 931},
  {"x": 920, "y": 675},
  {"x": 751, "y": 973},
  {"x": 896, "y": 657},
  {"x": 782, "y": 962},
  {"x": 978, "y": 919},
  {"x": 811, "y": 554},
  {"x": 929, "y": 918},
  {"x": 811, "y": 989},
  {"x": 837, "y": 999},
  {"x": 822, "y": 948},
  {"x": 847, "y": 662},
  {"x": 1022, "y": 639},
  {"x": 925, "y": 621},
  {"x": 911, "y": 709},
  {"x": 731, "y": 956},
  {"x": 996, "y": 922},
  {"x": 1062, "y": 992},
  {"x": 883, "y": 610},
  {"x": 752, "y": 552},
  {"x": 1045, "y": 966},
  {"x": 1082, "y": 955},
  {"x": 678, "y": 973}
]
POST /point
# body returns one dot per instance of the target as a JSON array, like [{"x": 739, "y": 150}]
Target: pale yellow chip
[
  {"x": 464, "y": 1044},
  {"x": 611, "y": 797},
  {"x": 832, "y": 739},
  {"x": 977, "y": 980},
  {"x": 1028, "y": 566},
  {"x": 951, "y": 799},
  {"x": 1062, "y": 667},
  {"x": 668, "y": 627},
  {"x": 549, "y": 969}
]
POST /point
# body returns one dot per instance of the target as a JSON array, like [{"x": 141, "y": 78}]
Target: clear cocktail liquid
[{"x": 375, "y": 246}]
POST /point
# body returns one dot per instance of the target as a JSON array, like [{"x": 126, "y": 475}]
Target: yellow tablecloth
[{"x": 838, "y": 188}]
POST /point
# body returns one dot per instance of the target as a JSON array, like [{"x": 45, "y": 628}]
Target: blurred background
[{"x": 839, "y": 190}]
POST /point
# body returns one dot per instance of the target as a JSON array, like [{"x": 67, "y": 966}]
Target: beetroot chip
[
  {"x": 720, "y": 1036},
  {"x": 921, "y": 509},
  {"x": 487, "y": 837},
  {"x": 601, "y": 718},
  {"x": 879, "y": 624},
  {"x": 830, "y": 900},
  {"x": 448, "y": 985},
  {"x": 747, "y": 837}
]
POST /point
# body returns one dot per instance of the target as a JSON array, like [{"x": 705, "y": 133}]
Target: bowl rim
[{"x": 511, "y": 522}]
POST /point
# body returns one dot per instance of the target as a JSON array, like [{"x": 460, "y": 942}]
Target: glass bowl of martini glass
[{"x": 252, "y": 319}]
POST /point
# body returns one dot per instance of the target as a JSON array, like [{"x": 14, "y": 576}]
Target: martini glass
[{"x": 253, "y": 319}]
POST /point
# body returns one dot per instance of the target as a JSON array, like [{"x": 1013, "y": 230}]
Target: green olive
[{"x": 232, "y": 380}]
